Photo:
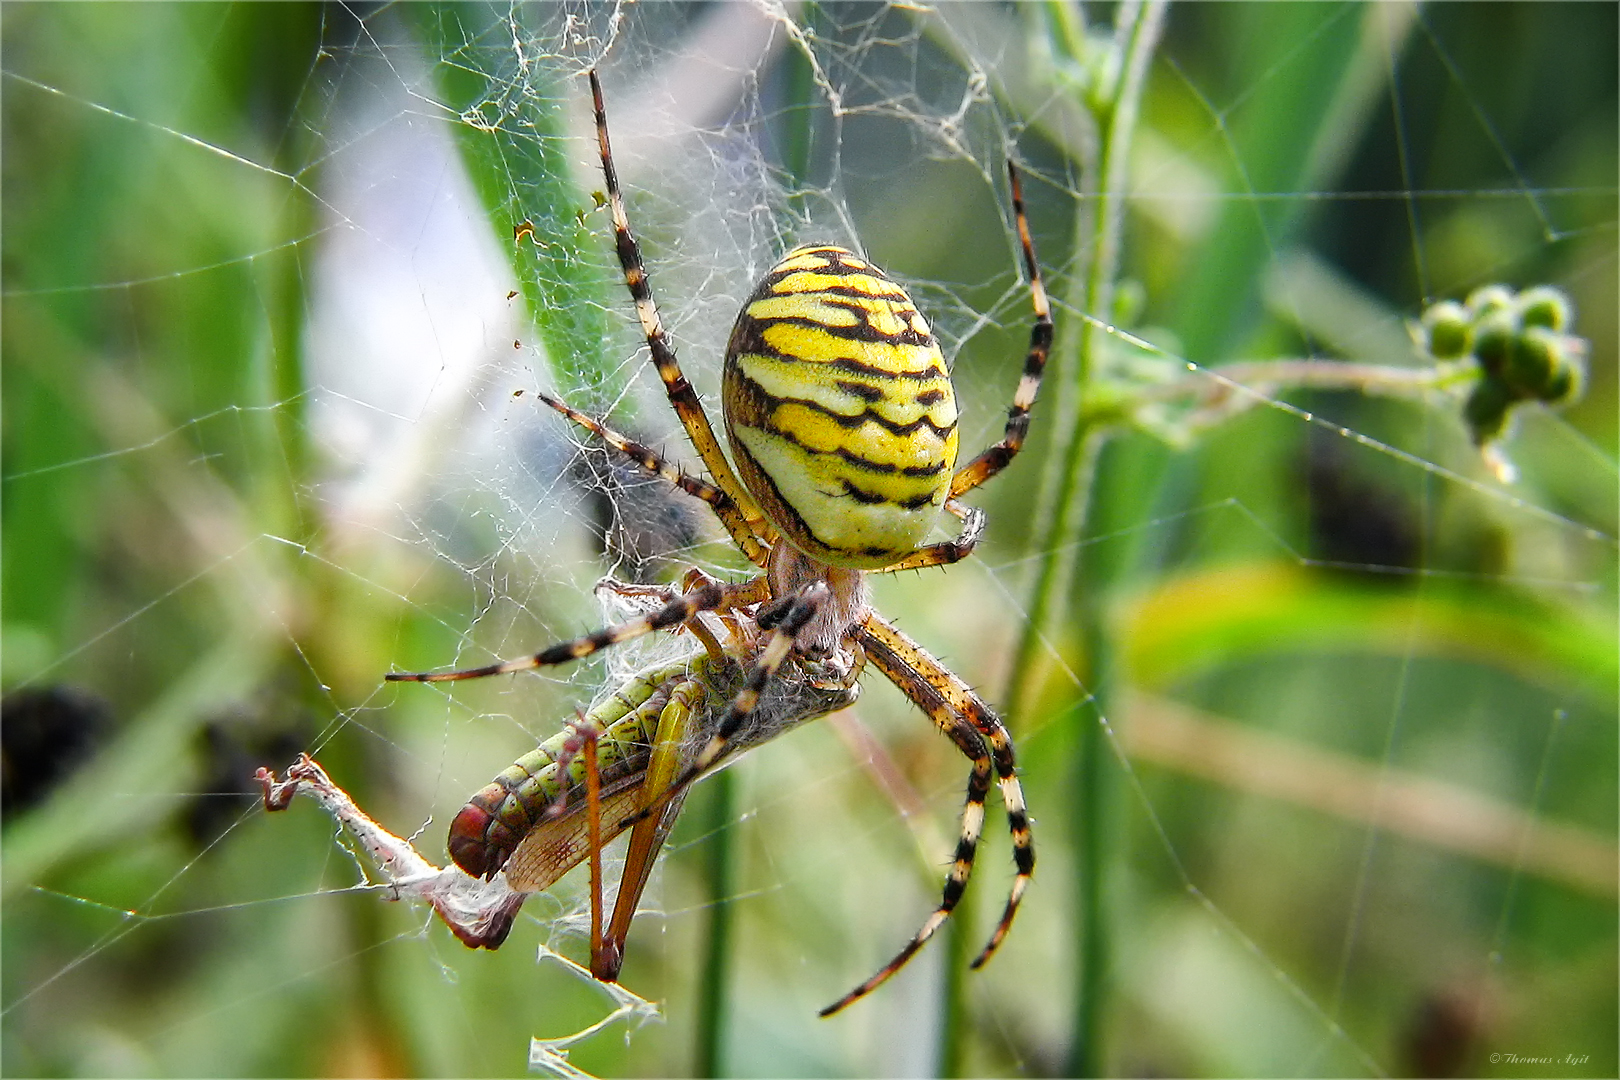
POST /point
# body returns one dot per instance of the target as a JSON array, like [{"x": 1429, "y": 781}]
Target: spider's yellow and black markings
[
  {"x": 839, "y": 409},
  {"x": 842, "y": 420}
]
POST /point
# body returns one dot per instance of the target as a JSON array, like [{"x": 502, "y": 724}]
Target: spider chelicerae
[{"x": 842, "y": 422}]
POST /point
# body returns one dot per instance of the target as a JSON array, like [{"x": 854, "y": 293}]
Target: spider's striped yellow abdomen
[{"x": 840, "y": 410}]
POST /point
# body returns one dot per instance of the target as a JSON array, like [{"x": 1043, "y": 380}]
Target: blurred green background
[{"x": 1318, "y": 721}]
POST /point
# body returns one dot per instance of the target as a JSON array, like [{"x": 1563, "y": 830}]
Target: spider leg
[
  {"x": 706, "y": 597},
  {"x": 996, "y": 458},
  {"x": 724, "y": 507},
  {"x": 950, "y": 703},
  {"x": 967, "y": 739},
  {"x": 681, "y": 395},
  {"x": 950, "y": 551},
  {"x": 741, "y": 595},
  {"x": 802, "y": 609}
]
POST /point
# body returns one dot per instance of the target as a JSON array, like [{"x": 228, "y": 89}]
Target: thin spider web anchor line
[
  {"x": 156, "y": 440},
  {"x": 999, "y": 569}
]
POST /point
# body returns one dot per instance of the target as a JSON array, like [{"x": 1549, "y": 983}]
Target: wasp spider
[{"x": 842, "y": 422}]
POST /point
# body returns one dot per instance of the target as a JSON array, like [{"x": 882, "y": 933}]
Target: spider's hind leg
[
  {"x": 949, "y": 551},
  {"x": 967, "y": 740},
  {"x": 981, "y": 736}
]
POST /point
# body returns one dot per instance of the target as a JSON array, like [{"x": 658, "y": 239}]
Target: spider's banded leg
[
  {"x": 739, "y": 595},
  {"x": 681, "y": 395},
  {"x": 996, "y": 457},
  {"x": 880, "y": 634},
  {"x": 730, "y": 515},
  {"x": 744, "y": 594},
  {"x": 649, "y": 835},
  {"x": 967, "y": 739},
  {"x": 706, "y": 597},
  {"x": 950, "y": 551},
  {"x": 755, "y": 590},
  {"x": 776, "y": 650}
]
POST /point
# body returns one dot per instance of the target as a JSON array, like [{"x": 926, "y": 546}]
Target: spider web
[{"x": 1358, "y": 787}]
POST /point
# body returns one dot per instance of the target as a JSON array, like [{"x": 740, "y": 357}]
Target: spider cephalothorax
[{"x": 842, "y": 422}]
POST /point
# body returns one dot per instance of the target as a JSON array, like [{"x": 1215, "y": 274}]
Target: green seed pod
[
  {"x": 1531, "y": 362},
  {"x": 1493, "y": 341},
  {"x": 1447, "y": 330},
  {"x": 1486, "y": 410},
  {"x": 1545, "y": 306},
  {"x": 1488, "y": 298},
  {"x": 1568, "y": 378},
  {"x": 1560, "y": 386}
]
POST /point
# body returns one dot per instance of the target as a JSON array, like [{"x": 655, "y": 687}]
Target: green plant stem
[
  {"x": 1092, "y": 827},
  {"x": 1121, "y": 479},
  {"x": 1376, "y": 380},
  {"x": 1063, "y": 495},
  {"x": 1066, "y": 495},
  {"x": 713, "y": 987}
]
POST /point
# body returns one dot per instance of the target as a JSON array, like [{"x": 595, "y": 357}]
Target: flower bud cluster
[{"x": 1520, "y": 342}]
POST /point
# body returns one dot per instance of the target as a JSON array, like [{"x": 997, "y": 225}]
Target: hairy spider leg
[
  {"x": 753, "y": 528},
  {"x": 946, "y": 551},
  {"x": 961, "y": 731},
  {"x": 961, "y": 697},
  {"x": 707, "y": 596},
  {"x": 997, "y": 457},
  {"x": 724, "y": 507},
  {"x": 952, "y": 705}
]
